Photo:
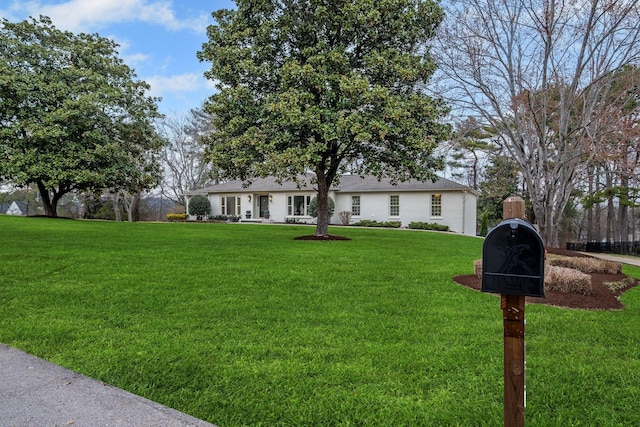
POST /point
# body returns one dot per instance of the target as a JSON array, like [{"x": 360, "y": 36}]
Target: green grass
[{"x": 242, "y": 325}]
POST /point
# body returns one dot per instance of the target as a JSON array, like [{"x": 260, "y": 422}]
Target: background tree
[
  {"x": 323, "y": 86},
  {"x": 73, "y": 117},
  {"x": 501, "y": 179},
  {"x": 538, "y": 72},
  {"x": 469, "y": 148},
  {"x": 612, "y": 177},
  {"x": 183, "y": 158}
]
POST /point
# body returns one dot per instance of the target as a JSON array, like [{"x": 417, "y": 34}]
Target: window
[
  {"x": 230, "y": 205},
  {"x": 355, "y": 205},
  {"x": 298, "y": 205},
  {"x": 436, "y": 205},
  {"x": 394, "y": 205}
]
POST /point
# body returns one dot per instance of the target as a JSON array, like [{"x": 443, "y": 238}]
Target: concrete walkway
[
  {"x": 37, "y": 393},
  {"x": 625, "y": 259}
]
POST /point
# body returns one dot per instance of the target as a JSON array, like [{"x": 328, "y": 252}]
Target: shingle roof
[{"x": 348, "y": 183}]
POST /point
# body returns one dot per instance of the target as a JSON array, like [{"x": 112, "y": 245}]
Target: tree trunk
[
  {"x": 50, "y": 209},
  {"x": 116, "y": 206},
  {"x": 590, "y": 223},
  {"x": 611, "y": 212},
  {"x": 322, "y": 225}
]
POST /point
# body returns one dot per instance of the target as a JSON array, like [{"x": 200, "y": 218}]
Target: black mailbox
[{"x": 513, "y": 260}]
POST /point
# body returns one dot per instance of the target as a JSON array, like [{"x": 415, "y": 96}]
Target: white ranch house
[{"x": 443, "y": 202}]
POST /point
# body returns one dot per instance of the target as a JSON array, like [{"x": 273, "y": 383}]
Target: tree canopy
[
  {"x": 73, "y": 116},
  {"x": 324, "y": 86}
]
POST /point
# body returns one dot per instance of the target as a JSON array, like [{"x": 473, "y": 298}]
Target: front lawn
[{"x": 243, "y": 325}]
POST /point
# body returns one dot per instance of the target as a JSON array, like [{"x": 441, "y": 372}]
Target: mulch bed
[
  {"x": 602, "y": 298},
  {"x": 323, "y": 238}
]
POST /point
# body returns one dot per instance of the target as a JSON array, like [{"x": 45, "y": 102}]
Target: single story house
[{"x": 443, "y": 202}]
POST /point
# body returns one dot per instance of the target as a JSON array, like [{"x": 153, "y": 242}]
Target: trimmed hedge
[
  {"x": 224, "y": 218},
  {"x": 373, "y": 223},
  {"x": 177, "y": 217},
  {"x": 419, "y": 225},
  {"x": 587, "y": 265},
  {"x": 563, "y": 279}
]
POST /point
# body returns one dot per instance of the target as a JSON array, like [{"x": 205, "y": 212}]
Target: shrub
[
  {"x": 224, "y": 218},
  {"x": 586, "y": 264},
  {"x": 562, "y": 279},
  {"x": 484, "y": 223},
  {"x": 374, "y": 223},
  {"x": 624, "y": 283},
  {"x": 199, "y": 206},
  {"x": 391, "y": 224},
  {"x": 177, "y": 217},
  {"x": 345, "y": 217},
  {"x": 312, "y": 209},
  {"x": 368, "y": 223},
  {"x": 419, "y": 225}
]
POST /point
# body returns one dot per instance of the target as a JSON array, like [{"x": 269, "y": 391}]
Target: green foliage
[
  {"x": 419, "y": 225},
  {"x": 177, "y": 217},
  {"x": 500, "y": 182},
  {"x": 625, "y": 196},
  {"x": 322, "y": 87},
  {"x": 484, "y": 223},
  {"x": 199, "y": 205},
  {"x": 374, "y": 223},
  {"x": 225, "y": 218},
  {"x": 73, "y": 116},
  {"x": 312, "y": 209}
]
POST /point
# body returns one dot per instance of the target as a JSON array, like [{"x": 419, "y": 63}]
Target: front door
[{"x": 264, "y": 206}]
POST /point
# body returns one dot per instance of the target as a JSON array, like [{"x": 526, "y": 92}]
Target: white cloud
[
  {"x": 92, "y": 15},
  {"x": 136, "y": 59},
  {"x": 181, "y": 83}
]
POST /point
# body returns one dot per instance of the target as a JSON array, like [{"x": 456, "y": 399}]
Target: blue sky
[{"x": 159, "y": 39}]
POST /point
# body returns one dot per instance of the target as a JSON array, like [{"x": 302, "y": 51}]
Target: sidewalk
[
  {"x": 625, "y": 259},
  {"x": 37, "y": 393}
]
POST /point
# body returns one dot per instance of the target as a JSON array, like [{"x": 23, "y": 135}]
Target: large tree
[
  {"x": 539, "y": 72},
  {"x": 73, "y": 116},
  {"x": 324, "y": 86}
]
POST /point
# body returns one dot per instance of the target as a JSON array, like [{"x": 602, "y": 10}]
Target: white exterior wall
[{"x": 458, "y": 209}]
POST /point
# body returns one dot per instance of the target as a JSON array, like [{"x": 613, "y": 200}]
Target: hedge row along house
[{"x": 443, "y": 202}]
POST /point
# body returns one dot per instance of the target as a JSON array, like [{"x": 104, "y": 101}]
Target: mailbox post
[{"x": 513, "y": 266}]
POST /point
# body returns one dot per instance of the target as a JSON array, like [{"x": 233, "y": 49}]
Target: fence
[{"x": 622, "y": 248}]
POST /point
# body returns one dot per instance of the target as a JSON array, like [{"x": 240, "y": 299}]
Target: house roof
[
  {"x": 351, "y": 183},
  {"x": 347, "y": 184}
]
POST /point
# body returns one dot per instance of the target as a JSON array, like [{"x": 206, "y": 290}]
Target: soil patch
[{"x": 603, "y": 298}]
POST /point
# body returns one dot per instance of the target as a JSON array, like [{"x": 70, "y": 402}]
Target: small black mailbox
[{"x": 513, "y": 260}]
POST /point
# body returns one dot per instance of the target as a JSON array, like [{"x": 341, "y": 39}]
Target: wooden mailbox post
[{"x": 513, "y": 266}]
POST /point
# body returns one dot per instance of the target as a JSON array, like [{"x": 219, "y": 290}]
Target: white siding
[{"x": 458, "y": 208}]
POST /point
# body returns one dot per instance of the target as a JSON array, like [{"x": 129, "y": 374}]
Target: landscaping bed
[{"x": 603, "y": 297}]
